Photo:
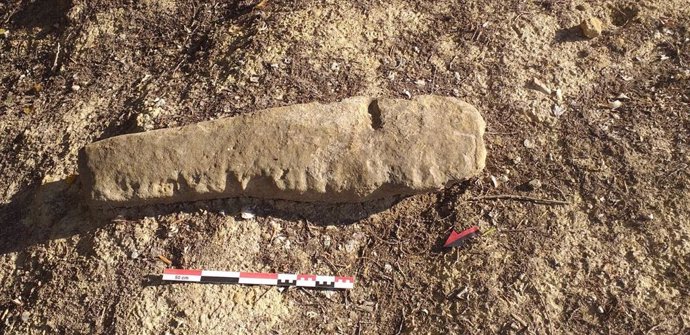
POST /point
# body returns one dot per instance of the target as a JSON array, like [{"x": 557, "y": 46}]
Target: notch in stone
[{"x": 375, "y": 114}]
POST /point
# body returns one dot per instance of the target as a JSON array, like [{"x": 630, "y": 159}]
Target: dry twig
[{"x": 520, "y": 198}]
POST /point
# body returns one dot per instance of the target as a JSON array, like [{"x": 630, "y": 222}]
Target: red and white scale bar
[{"x": 259, "y": 278}]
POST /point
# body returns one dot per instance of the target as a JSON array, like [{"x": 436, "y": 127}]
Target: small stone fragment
[
  {"x": 541, "y": 87},
  {"x": 529, "y": 144},
  {"x": 355, "y": 150},
  {"x": 494, "y": 181},
  {"x": 351, "y": 246},
  {"x": 37, "y": 88},
  {"x": 591, "y": 27},
  {"x": 615, "y": 104},
  {"x": 76, "y": 87},
  {"x": 25, "y": 316},
  {"x": 328, "y": 293},
  {"x": 134, "y": 254},
  {"x": 559, "y": 95},
  {"x": 145, "y": 121},
  {"x": 247, "y": 214},
  {"x": 534, "y": 184}
]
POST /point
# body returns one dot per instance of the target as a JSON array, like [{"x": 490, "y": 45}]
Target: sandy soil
[{"x": 614, "y": 260}]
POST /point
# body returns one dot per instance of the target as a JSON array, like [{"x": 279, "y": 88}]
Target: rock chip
[
  {"x": 591, "y": 27},
  {"x": 534, "y": 184},
  {"x": 354, "y": 150}
]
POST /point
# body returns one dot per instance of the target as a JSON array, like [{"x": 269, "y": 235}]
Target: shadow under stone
[
  {"x": 572, "y": 34},
  {"x": 41, "y": 213},
  {"x": 314, "y": 212}
]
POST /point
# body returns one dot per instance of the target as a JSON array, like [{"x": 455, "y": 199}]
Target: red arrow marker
[{"x": 456, "y": 239}]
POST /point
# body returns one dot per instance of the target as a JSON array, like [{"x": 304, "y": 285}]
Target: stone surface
[
  {"x": 354, "y": 150},
  {"x": 591, "y": 27}
]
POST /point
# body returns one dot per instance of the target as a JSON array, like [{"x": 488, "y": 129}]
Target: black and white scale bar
[{"x": 259, "y": 278}]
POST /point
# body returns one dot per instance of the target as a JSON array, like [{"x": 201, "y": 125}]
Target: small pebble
[
  {"x": 591, "y": 27},
  {"x": 420, "y": 82},
  {"x": 388, "y": 268},
  {"x": 247, "y": 214},
  {"x": 559, "y": 95},
  {"x": 76, "y": 88},
  {"x": 615, "y": 104},
  {"x": 25, "y": 316},
  {"x": 494, "y": 181},
  {"x": 529, "y": 144},
  {"x": 534, "y": 184},
  {"x": 134, "y": 254}
]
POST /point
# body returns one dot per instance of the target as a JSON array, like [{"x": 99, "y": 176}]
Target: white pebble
[
  {"x": 247, "y": 214},
  {"x": 529, "y": 144},
  {"x": 494, "y": 181}
]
